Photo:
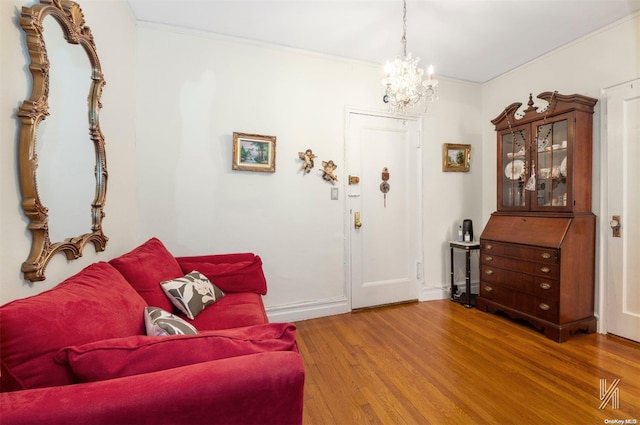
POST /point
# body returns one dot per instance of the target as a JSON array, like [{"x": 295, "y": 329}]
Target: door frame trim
[
  {"x": 603, "y": 219},
  {"x": 349, "y": 111},
  {"x": 601, "y": 241}
]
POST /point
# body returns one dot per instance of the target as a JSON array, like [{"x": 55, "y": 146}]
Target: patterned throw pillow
[
  {"x": 191, "y": 293},
  {"x": 159, "y": 322}
]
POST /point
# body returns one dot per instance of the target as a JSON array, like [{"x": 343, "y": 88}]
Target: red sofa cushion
[
  {"x": 258, "y": 389},
  {"x": 145, "y": 267},
  {"x": 135, "y": 355},
  {"x": 234, "y": 310},
  {"x": 93, "y": 305},
  {"x": 231, "y": 273}
]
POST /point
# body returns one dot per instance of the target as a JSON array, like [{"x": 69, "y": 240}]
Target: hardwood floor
[{"x": 437, "y": 362}]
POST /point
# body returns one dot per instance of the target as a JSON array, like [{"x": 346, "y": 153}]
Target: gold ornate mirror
[{"x": 59, "y": 140}]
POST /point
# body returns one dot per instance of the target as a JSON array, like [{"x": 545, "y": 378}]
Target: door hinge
[
  {"x": 419, "y": 140},
  {"x": 419, "y": 270}
]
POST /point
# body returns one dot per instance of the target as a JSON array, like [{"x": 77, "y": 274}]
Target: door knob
[
  {"x": 356, "y": 220},
  {"x": 615, "y": 226}
]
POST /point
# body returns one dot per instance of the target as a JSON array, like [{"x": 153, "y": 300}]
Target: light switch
[{"x": 334, "y": 193}]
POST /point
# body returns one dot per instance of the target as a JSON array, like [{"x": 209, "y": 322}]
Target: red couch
[{"x": 78, "y": 353}]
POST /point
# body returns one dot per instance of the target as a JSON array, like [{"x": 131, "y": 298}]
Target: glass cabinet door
[
  {"x": 513, "y": 168},
  {"x": 551, "y": 164}
]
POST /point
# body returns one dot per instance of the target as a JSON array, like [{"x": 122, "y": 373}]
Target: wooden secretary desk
[{"x": 537, "y": 251}]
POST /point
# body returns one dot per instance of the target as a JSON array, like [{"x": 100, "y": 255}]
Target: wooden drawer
[
  {"x": 543, "y": 287},
  {"x": 510, "y": 278},
  {"x": 538, "y": 307},
  {"x": 521, "y": 266},
  {"x": 541, "y": 308},
  {"x": 523, "y": 252},
  {"x": 497, "y": 293},
  {"x": 546, "y": 289}
]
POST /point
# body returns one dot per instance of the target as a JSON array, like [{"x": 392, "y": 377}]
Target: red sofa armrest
[
  {"x": 230, "y": 272},
  {"x": 265, "y": 388}
]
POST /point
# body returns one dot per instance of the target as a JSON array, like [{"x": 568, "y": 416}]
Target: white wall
[
  {"x": 602, "y": 59},
  {"x": 194, "y": 90},
  {"x": 113, "y": 29},
  {"x": 450, "y": 197}
]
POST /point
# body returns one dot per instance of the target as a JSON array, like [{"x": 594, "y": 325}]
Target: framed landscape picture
[
  {"x": 254, "y": 152},
  {"x": 456, "y": 157}
]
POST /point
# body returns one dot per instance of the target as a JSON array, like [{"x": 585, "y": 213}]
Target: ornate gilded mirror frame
[{"x": 35, "y": 109}]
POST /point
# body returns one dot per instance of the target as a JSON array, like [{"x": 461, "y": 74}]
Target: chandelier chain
[
  {"x": 405, "y": 84},
  {"x": 404, "y": 29}
]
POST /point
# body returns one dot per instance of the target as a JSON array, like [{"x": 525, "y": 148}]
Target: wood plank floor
[{"x": 437, "y": 362}]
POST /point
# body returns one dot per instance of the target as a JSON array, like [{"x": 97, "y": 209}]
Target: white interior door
[
  {"x": 385, "y": 252},
  {"x": 622, "y": 198}
]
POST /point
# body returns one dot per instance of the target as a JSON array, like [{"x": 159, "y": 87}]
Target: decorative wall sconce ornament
[
  {"x": 384, "y": 186},
  {"x": 404, "y": 85},
  {"x": 308, "y": 157},
  {"x": 328, "y": 167}
]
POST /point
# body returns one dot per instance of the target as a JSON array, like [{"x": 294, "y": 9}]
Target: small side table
[{"x": 468, "y": 247}]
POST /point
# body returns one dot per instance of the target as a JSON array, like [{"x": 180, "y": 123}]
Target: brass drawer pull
[
  {"x": 544, "y": 306},
  {"x": 545, "y": 285},
  {"x": 488, "y": 246},
  {"x": 488, "y": 272},
  {"x": 488, "y": 288},
  {"x": 545, "y": 269},
  {"x": 545, "y": 255},
  {"x": 488, "y": 258}
]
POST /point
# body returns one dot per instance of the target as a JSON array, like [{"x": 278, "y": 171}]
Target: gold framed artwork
[
  {"x": 456, "y": 157},
  {"x": 254, "y": 152}
]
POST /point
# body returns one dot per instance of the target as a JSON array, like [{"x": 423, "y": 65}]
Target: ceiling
[{"x": 472, "y": 40}]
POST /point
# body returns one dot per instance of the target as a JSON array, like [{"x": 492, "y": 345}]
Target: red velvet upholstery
[
  {"x": 229, "y": 272},
  {"x": 214, "y": 380},
  {"x": 263, "y": 389},
  {"x": 145, "y": 267},
  {"x": 93, "y": 305},
  {"x": 231, "y": 311},
  {"x": 116, "y": 358}
]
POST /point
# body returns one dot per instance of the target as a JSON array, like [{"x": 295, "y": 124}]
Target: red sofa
[{"x": 79, "y": 354}]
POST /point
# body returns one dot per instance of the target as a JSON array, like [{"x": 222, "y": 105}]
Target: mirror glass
[
  {"x": 66, "y": 156},
  {"x": 62, "y": 160}
]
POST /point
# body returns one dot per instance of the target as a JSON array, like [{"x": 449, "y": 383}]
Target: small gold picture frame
[
  {"x": 254, "y": 152},
  {"x": 455, "y": 157}
]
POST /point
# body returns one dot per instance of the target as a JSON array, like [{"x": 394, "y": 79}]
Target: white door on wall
[
  {"x": 384, "y": 239},
  {"x": 621, "y": 270}
]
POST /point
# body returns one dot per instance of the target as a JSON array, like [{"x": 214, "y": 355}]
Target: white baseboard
[
  {"x": 433, "y": 293},
  {"x": 308, "y": 310},
  {"x": 329, "y": 307}
]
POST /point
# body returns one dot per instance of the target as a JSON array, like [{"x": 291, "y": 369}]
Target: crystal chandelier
[{"x": 404, "y": 84}]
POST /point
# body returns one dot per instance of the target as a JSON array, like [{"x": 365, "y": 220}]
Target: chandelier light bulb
[{"x": 404, "y": 83}]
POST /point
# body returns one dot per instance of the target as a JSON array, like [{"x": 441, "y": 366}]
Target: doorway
[
  {"x": 620, "y": 217},
  {"x": 384, "y": 199}
]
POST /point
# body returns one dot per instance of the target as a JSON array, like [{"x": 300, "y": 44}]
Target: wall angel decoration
[
  {"x": 308, "y": 157},
  {"x": 328, "y": 169}
]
